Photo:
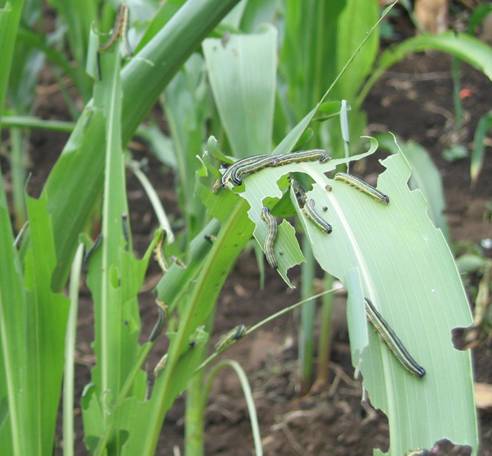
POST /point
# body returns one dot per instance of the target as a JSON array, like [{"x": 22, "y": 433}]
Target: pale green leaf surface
[
  {"x": 358, "y": 331},
  {"x": 425, "y": 176},
  {"x": 395, "y": 256},
  {"x": 263, "y": 184},
  {"x": 242, "y": 74}
]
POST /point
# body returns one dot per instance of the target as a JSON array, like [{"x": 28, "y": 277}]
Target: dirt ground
[{"x": 414, "y": 100}]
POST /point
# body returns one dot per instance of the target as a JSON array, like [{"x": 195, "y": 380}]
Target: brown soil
[{"x": 415, "y": 101}]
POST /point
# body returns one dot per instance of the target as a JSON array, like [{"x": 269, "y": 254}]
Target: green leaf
[
  {"x": 166, "y": 11},
  {"x": 320, "y": 37},
  {"x": 354, "y": 22},
  {"x": 46, "y": 323},
  {"x": 460, "y": 45},
  {"x": 194, "y": 311},
  {"x": 242, "y": 75},
  {"x": 79, "y": 18},
  {"x": 176, "y": 278},
  {"x": 32, "y": 357},
  {"x": 110, "y": 337},
  {"x": 256, "y": 13},
  {"x": 143, "y": 79},
  {"x": 186, "y": 103},
  {"x": 10, "y": 14},
  {"x": 425, "y": 176},
  {"x": 477, "y": 17},
  {"x": 115, "y": 276},
  {"x": 70, "y": 347},
  {"x": 99, "y": 429},
  {"x": 13, "y": 356},
  {"x": 264, "y": 184},
  {"x": 477, "y": 156},
  {"x": 38, "y": 41},
  {"x": 395, "y": 256},
  {"x": 248, "y": 397}
]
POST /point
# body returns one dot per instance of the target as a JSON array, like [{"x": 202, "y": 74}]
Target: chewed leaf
[
  {"x": 394, "y": 255},
  {"x": 384, "y": 247},
  {"x": 263, "y": 185}
]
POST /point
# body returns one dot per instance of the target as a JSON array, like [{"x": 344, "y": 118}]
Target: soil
[{"x": 415, "y": 101}]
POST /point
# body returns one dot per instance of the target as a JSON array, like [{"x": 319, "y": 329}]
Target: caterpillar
[
  {"x": 392, "y": 341},
  {"x": 243, "y": 168},
  {"x": 228, "y": 339},
  {"x": 363, "y": 186},
  {"x": 271, "y": 236},
  {"x": 157, "y": 329},
  {"x": 310, "y": 211},
  {"x": 119, "y": 29}
]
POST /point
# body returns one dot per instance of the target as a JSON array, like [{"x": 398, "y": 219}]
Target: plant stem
[
  {"x": 196, "y": 401},
  {"x": 267, "y": 320},
  {"x": 36, "y": 122},
  {"x": 70, "y": 336},
  {"x": 195, "y": 415},
  {"x": 325, "y": 333},
  {"x": 248, "y": 396},
  {"x": 18, "y": 175},
  {"x": 306, "y": 329}
]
